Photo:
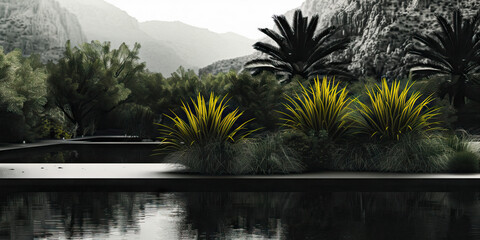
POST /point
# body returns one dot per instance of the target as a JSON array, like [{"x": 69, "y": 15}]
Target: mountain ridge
[
  {"x": 198, "y": 46},
  {"x": 105, "y": 22}
]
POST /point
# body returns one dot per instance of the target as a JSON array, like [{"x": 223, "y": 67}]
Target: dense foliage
[
  {"x": 90, "y": 80},
  {"x": 22, "y": 96}
]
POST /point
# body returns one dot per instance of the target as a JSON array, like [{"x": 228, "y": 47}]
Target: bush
[
  {"x": 323, "y": 107},
  {"x": 134, "y": 119},
  {"x": 314, "y": 151},
  {"x": 258, "y": 97},
  {"x": 392, "y": 112},
  {"x": 412, "y": 153},
  {"x": 213, "y": 158},
  {"x": 268, "y": 156},
  {"x": 463, "y": 162}
]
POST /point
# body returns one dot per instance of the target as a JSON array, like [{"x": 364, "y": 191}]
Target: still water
[
  {"x": 84, "y": 153},
  {"x": 114, "y": 215}
]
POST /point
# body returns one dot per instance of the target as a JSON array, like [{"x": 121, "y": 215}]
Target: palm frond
[{"x": 299, "y": 51}]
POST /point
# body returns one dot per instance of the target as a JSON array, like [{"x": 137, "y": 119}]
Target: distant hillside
[
  {"x": 37, "y": 26},
  {"x": 165, "y": 45},
  {"x": 380, "y": 30},
  {"x": 233, "y": 64},
  {"x": 198, "y": 46},
  {"x": 105, "y": 22}
]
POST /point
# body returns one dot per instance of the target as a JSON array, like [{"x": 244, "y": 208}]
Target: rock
[{"x": 38, "y": 26}]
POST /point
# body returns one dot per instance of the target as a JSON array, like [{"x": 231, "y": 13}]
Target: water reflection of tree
[
  {"x": 238, "y": 215},
  {"x": 377, "y": 216},
  {"x": 71, "y": 214},
  {"x": 332, "y": 215},
  {"x": 222, "y": 215}
]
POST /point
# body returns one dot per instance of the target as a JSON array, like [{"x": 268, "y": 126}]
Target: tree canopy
[
  {"x": 22, "y": 96},
  {"x": 91, "y": 79}
]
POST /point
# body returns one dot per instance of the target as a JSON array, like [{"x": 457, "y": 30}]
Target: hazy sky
[{"x": 239, "y": 16}]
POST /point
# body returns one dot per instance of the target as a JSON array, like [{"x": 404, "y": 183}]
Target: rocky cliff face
[
  {"x": 37, "y": 26},
  {"x": 381, "y": 30}
]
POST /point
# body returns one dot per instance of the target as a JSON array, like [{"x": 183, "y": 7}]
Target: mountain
[
  {"x": 105, "y": 22},
  {"x": 38, "y": 26},
  {"x": 380, "y": 31},
  {"x": 235, "y": 64},
  {"x": 198, "y": 46},
  {"x": 165, "y": 45}
]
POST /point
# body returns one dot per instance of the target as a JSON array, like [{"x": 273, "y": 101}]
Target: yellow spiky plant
[
  {"x": 392, "y": 112},
  {"x": 205, "y": 123},
  {"x": 321, "y": 107}
]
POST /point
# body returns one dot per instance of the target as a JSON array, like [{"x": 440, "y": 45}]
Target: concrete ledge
[{"x": 172, "y": 177}]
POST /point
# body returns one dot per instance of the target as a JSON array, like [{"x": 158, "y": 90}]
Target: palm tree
[
  {"x": 454, "y": 51},
  {"x": 300, "y": 51}
]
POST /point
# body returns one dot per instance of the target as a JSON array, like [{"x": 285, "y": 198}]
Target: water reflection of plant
[
  {"x": 221, "y": 215},
  {"x": 308, "y": 215},
  {"x": 72, "y": 214},
  {"x": 326, "y": 215}
]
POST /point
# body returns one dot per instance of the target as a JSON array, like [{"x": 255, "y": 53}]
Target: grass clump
[
  {"x": 463, "y": 162},
  {"x": 314, "y": 151},
  {"x": 411, "y": 154},
  {"x": 321, "y": 107},
  {"x": 206, "y": 123},
  {"x": 214, "y": 158},
  {"x": 204, "y": 141},
  {"x": 268, "y": 155},
  {"x": 392, "y": 112}
]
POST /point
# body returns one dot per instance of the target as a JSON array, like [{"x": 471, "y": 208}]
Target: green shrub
[
  {"x": 268, "y": 156},
  {"x": 392, "y": 112},
  {"x": 314, "y": 151},
  {"x": 412, "y": 153},
  {"x": 258, "y": 97},
  {"x": 214, "y": 158},
  {"x": 323, "y": 107},
  {"x": 463, "y": 162},
  {"x": 52, "y": 129},
  {"x": 459, "y": 143},
  {"x": 135, "y": 120}
]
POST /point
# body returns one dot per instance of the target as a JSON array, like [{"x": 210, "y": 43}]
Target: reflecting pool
[
  {"x": 321, "y": 215},
  {"x": 84, "y": 153}
]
